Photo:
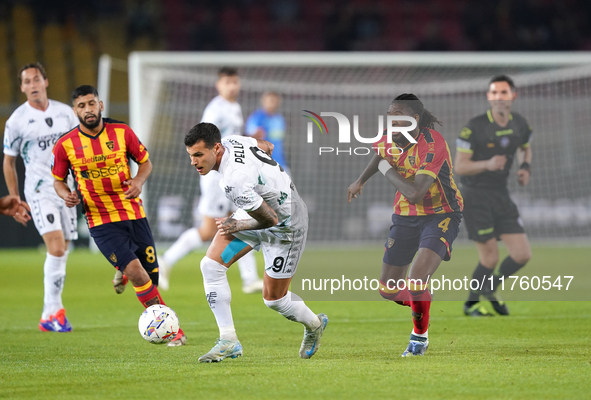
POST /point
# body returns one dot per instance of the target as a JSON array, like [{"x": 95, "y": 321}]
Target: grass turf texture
[{"x": 541, "y": 351}]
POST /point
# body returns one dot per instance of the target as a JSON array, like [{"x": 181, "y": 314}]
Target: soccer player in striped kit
[
  {"x": 427, "y": 212},
  {"x": 97, "y": 151}
]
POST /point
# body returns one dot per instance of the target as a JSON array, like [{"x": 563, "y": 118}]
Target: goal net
[{"x": 168, "y": 92}]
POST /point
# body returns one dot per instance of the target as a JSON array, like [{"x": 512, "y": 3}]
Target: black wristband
[{"x": 525, "y": 165}]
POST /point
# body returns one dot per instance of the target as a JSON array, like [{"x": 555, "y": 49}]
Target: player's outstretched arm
[
  {"x": 11, "y": 178},
  {"x": 10, "y": 205},
  {"x": 263, "y": 217},
  {"x": 135, "y": 185},
  {"x": 355, "y": 188},
  {"x": 63, "y": 191}
]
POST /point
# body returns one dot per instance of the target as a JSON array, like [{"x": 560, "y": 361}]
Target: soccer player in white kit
[
  {"x": 225, "y": 113},
  {"x": 31, "y": 131},
  {"x": 271, "y": 217}
]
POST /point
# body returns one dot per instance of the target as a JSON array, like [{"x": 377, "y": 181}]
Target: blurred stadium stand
[{"x": 68, "y": 37}]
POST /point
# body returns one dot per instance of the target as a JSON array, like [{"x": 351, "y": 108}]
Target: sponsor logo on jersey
[
  {"x": 47, "y": 141},
  {"x": 97, "y": 159},
  {"x": 103, "y": 172},
  {"x": 49, "y": 122},
  {"x": 31, "y": 121},
  {"x": 228, "y": 189}
]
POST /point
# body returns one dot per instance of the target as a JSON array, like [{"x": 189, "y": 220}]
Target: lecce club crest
[{"x": 110, "y": 144}]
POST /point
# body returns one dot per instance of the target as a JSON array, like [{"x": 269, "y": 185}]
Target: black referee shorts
[{"x": 489, "y": 213}]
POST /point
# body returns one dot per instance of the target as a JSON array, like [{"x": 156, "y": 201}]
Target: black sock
[
  {"x": 509, "y": 267},
  {"x": 480, "y": 273}
]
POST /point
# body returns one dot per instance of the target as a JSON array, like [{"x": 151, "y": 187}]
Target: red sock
[
  {"x": 148, "y": 294},
  {"x": 396, "y": 295},
  {"x": 420, "y": 304}
]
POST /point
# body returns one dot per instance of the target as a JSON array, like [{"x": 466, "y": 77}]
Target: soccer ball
[{"x": 158, "y": 324}]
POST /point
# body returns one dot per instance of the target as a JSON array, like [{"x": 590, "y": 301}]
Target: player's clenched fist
[
  {"x": 134, "y": 189},
  {"x": 72, "y": 200}
]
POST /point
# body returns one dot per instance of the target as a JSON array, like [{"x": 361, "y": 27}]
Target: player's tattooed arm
[
  {"x": 355, "y": 188},
  {"x": 263, "y": 217},
  {"x": 267, "y": 147}
]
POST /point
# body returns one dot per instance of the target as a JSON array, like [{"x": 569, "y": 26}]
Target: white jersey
[
  {"x": 32, "y": 134},
  {"x": 224, "y": 114},
  {"x": 250, "y": 176}
]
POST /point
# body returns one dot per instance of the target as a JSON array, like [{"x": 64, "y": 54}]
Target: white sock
[
  {"x": 219, "y": 296},
  {"x": 295, "y": 310},
  {"x": 186, "y": 243},
  {"x": 423, "y": 335},
  {"x": 248, "y": 268},
  {"x": 54, "y": 275}
]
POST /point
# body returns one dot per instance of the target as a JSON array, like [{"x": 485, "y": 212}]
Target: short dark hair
[
  {"x": 208, "y": 133},
  {"x": 37, "y": 65},
  {"x": 227, "y": 71},
  {"x": 503, "y": 78},
  {"x": 83, "y": 91}
]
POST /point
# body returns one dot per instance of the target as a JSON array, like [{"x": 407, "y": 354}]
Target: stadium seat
[
  {"x": 6, "y": 86},
  {"x": 24, "y": 35},
  {"x": 52, "y": 39}
]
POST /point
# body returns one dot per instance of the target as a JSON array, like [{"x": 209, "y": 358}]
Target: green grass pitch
[{"x": 541, "y": 351}]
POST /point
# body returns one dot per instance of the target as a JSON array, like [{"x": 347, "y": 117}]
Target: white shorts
[
  {"x": 213, "y": 202},
  {"x": 281, "y": 250},
  {"x": 51, "y": 215}
]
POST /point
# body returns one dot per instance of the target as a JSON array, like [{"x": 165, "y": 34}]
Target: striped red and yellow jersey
[
  {"x": 100, "y": 165},
  {"x": 431, "y": 156}
]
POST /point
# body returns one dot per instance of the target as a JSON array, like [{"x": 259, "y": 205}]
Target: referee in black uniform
[{"x": 485, "y": 151}]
